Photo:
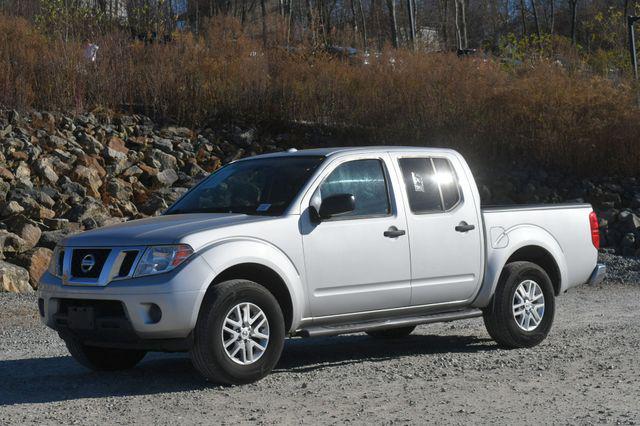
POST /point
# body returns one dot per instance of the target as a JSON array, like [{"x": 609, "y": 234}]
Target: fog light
[{"x": 152, "y": 313}]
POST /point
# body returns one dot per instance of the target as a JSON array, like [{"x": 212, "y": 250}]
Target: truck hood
[{"x": 169, "y": 229}]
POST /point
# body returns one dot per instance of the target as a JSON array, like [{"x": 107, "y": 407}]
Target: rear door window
[
  {"x": 421, "y": 185},
  {"x": 448, "y": 181},
  {"x": 431, "y": 184}
]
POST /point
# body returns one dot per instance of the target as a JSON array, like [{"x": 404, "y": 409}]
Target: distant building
[
  {"x": 113, "y": 8},
  {"x": 428, "y": 39}
]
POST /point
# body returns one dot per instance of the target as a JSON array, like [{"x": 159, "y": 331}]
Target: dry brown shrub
[{"x": 539, "y": 111}]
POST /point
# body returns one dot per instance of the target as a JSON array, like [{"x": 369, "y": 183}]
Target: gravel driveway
[{"x": 587, "y": 371}]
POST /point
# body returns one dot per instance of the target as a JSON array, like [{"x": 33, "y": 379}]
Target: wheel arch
[
  {"x": 524, "y": 243},
  {"x": 263, "y": 263},
  {"x": 267, "y": 278}
]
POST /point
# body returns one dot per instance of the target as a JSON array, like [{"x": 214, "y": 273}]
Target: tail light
[{"x": 595, "y": 230}]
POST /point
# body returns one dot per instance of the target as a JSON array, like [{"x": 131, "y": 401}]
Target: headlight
[
  {"x": 55, "y": 264},
  {"x": 159, "y": 259}
]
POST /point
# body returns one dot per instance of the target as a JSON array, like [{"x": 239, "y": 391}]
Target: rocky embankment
[{"x": 61, "y": 175}]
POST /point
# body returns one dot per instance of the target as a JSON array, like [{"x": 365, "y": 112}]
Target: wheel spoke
[
  {"x": 259, "y": 335},
  {"x": 237, "y": 349},
  {"x": 536, "y": 316},
  {"x": 248, "y": 345},
  {"x": 230, "y": 331},
  {"x": 233, "y": 322},
  {"x": 522, "y": 291},
  {"x": 537, "y": 297},
  {"x": 519, "y": 312},
  {"x": 258, "y": 345},
  {"x": 258, "y": 315},
  {"x": 260, "y": 324},
  {"x": 246, "y": 313}
]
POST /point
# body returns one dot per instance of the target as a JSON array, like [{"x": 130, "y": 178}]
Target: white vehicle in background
[{"x": 315, "y": 243}]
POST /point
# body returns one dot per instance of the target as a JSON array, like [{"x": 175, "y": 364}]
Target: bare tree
[
  {"x": 523, "y": 18},
  {"x": 364, "y": 25},
  {"x": 535, "y": 18},
  {"x": 412, "y": 23},
  {"x": 461, "y": 25},
  {"x": 573, "y": 4},
  {"x": 393, "y": 23},
  {"x": 443, "y": 11},
  {"x": 263, "y": 9}
]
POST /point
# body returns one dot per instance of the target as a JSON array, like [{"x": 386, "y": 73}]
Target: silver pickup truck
[{"x": 314, "y": 243}]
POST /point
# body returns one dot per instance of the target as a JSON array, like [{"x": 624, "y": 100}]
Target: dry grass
[{"x": 538, "y": 111}]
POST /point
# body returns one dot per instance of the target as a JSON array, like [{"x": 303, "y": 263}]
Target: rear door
[
  {"x": 353, "y": 263},
  {"x": 445, "y": 235}
]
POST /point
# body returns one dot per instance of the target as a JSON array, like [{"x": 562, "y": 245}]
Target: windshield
[{"x": 264, "y": 186}]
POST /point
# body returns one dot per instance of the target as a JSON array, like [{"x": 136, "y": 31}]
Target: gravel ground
[{"x": 587, "y": 371}]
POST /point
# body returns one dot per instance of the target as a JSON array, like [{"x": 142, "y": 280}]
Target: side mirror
[{"x": 336, "y": 205}]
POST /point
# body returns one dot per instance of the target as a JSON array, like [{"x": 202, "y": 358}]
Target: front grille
[
  {"x": 127, "y": 263},
  {"x": 82, "y": 259},
  {"x": 60, "y": 261}
]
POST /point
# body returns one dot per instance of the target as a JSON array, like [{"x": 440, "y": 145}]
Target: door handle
[
  {"x": 394, "y": 232},
  {"x": 465, "y": 227}
]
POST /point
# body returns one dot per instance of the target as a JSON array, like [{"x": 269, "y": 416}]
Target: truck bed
[{"x": 563, "y": 226}]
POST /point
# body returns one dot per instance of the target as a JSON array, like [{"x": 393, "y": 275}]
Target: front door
[{"x": 351, "y": 265}]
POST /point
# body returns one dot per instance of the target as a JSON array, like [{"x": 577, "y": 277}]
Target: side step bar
[{"x": 334, "y": 330}]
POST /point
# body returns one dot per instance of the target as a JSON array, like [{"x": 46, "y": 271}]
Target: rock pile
[{"x": 60, "y": 175}]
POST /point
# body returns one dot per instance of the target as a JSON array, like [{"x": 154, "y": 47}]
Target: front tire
[
  {"x": 522, "y": 309},
  {"x": 103, "y": 359},
  {"x": 239, "y": 335}
]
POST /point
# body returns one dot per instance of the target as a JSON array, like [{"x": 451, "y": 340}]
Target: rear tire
[
  {"x": 392, "y": 333},
  {"x": 222, "y": 351},
  {"x": 522, "y": 309},
  {"x": 103, "y": 359}
]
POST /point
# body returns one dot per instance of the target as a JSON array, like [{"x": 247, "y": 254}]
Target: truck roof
[{"x": 328, "y": 152}]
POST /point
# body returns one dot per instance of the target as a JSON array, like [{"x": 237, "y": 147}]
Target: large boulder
[
  {"x": 89, "y": 178},
  {"x": 11, "y": 244},
  {"x": 166, "y": 178},
  {"x": 50, "y": 239},
  {"x": 88, "y": 208},
  {"x": 26, "y": 229},
  {"x": 45, "y": 169},
  {"x": 14, "y": 279},
  {"x": 11, "y": 208},
  {"x": 36, "y": 262}
]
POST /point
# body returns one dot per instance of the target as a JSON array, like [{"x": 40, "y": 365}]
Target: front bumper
[
  {"x": 177, "y": 294},
  {"x": 598, "y": 274}
]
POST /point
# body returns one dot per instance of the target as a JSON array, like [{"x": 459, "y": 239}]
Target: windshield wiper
[{"x": 249, "y": 210}]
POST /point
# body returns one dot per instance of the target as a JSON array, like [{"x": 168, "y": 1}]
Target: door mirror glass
[{"x": 336, "y": 205}]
